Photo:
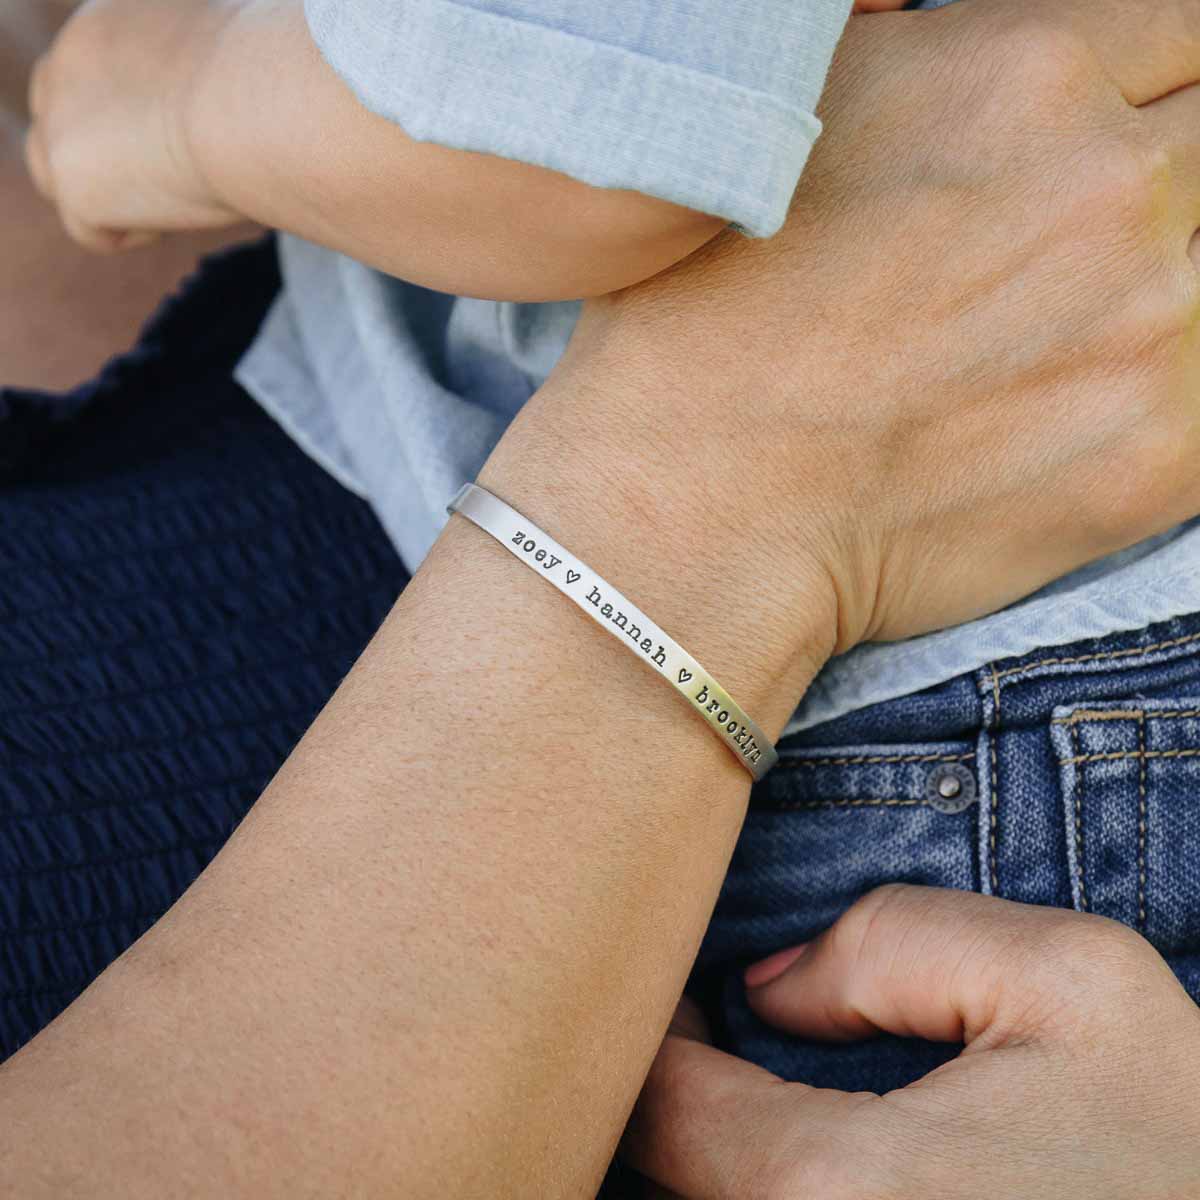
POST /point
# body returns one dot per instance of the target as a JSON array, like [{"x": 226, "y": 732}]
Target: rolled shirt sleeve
[{"x": 704, "y": 104}]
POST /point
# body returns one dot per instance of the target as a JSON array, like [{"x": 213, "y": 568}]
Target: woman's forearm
[
  {"x": 302, "y": 154},
  {"x": 438, "y": 956}
]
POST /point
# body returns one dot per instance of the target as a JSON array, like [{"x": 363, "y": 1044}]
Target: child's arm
[
  {"x": 153, "y": 117},
  {"x": 316, "y": 162}
]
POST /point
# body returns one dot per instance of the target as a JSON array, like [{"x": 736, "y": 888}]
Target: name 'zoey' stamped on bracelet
[
  {"x": 625, "y": 621},
  {"x": 708, "y": 699}
]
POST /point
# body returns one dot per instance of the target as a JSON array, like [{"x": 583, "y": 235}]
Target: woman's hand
[
  {"x": 109, "y": 145},
  {"x": 967, "y": 365},
  {"x": 1080, "y": 1076}
]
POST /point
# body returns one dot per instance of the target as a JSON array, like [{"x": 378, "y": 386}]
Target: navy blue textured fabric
[{"x": 181, "y": 589}]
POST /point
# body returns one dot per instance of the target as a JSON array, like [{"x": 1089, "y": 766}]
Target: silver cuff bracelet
[{"x": 608, "y": 608}]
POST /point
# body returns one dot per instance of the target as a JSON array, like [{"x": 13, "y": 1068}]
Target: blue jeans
[{"x": 1070, "y": 777}]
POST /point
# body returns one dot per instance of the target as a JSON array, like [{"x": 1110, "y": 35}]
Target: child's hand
[{"x": 108, "y": 145}]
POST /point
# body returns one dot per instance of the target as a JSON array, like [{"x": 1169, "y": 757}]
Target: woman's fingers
[
  {"x": 1148, "y": 50},
  {"x": 704, "y": 1120},
  {"x": 649, "y": 1141},
  {"x": 1050, "y": 1003},
  {"x": 939, "y": 964},
  {"x": 709, "y": 1126}
]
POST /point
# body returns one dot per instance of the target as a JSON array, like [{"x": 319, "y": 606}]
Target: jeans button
[{"x": 950, "y": 788}]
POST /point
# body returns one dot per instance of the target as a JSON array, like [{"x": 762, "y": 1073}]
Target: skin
[
  {"x": 439, "y": 956},
  {"x": 1073, "y": 1028},
  {"x": 136, "y": 92},
  {"x": 465, "y": 219},
  {"x": 24, "y": 33},
  {"x": 50, "y": 284}
]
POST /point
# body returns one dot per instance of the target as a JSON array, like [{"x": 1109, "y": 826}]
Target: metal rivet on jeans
[{"x": 950, "y": 788}]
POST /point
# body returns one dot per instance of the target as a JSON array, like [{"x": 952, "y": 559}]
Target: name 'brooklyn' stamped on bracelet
[
  {"x": 710, "y": 699},
  {"x": 622, "y": 619}
]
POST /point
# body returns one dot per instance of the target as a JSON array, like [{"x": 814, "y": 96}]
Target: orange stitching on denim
[
  {"x": 1098, "y": 714},
  {"x": 1141, "y": 851},
  {"x": 994, "y": 806},
  {"x": 1113, "y": 715},
  {"x": 795, "y": 763},
  {"x": 1142, "y": 755},
  {"x": 1115, "y": 755},
  {"x": 1133, "y": 651},
  {"x": 856, "y": 803},
  {"x": 1076, "y": 759}
]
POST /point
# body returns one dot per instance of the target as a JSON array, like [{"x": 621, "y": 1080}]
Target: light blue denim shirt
[{"x": 401, "y": 392}]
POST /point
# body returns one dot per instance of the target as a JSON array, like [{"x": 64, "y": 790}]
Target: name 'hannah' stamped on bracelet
[
  {"x": 708, "y": 702},
  {"x": 623, "y": 620}
]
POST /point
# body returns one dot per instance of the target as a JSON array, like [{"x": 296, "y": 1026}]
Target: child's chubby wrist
[{"x": 214, "y": 113}]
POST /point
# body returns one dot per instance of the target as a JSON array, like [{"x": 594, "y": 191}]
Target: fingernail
[{"x": 766, "y": 969}]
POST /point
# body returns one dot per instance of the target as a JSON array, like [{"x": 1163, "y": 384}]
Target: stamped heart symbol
[
  {"x": 572, "y": 576},
  {"x": 684, "y": 676}
]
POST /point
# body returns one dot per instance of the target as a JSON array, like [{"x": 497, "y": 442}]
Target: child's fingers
[
  {"x": 37, "y": 163},
  {"x": 105, "y": 241},
  {"x": 134, "y": 239}
]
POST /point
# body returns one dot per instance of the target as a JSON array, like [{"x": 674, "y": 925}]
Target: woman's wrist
[{"x": 604, "y": 469}]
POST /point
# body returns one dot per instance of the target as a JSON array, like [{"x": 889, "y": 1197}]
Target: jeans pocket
[
  {"x": 825, "y": 827},
  {"x": 1130, "y": 783},
  {"x": 829, "y": 824}
]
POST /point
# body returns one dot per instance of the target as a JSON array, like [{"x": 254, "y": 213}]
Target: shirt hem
[{"x": 556, "y": 100}]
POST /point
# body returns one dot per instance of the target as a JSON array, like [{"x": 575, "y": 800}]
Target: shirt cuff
[{"x": 603, "y": 114}]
